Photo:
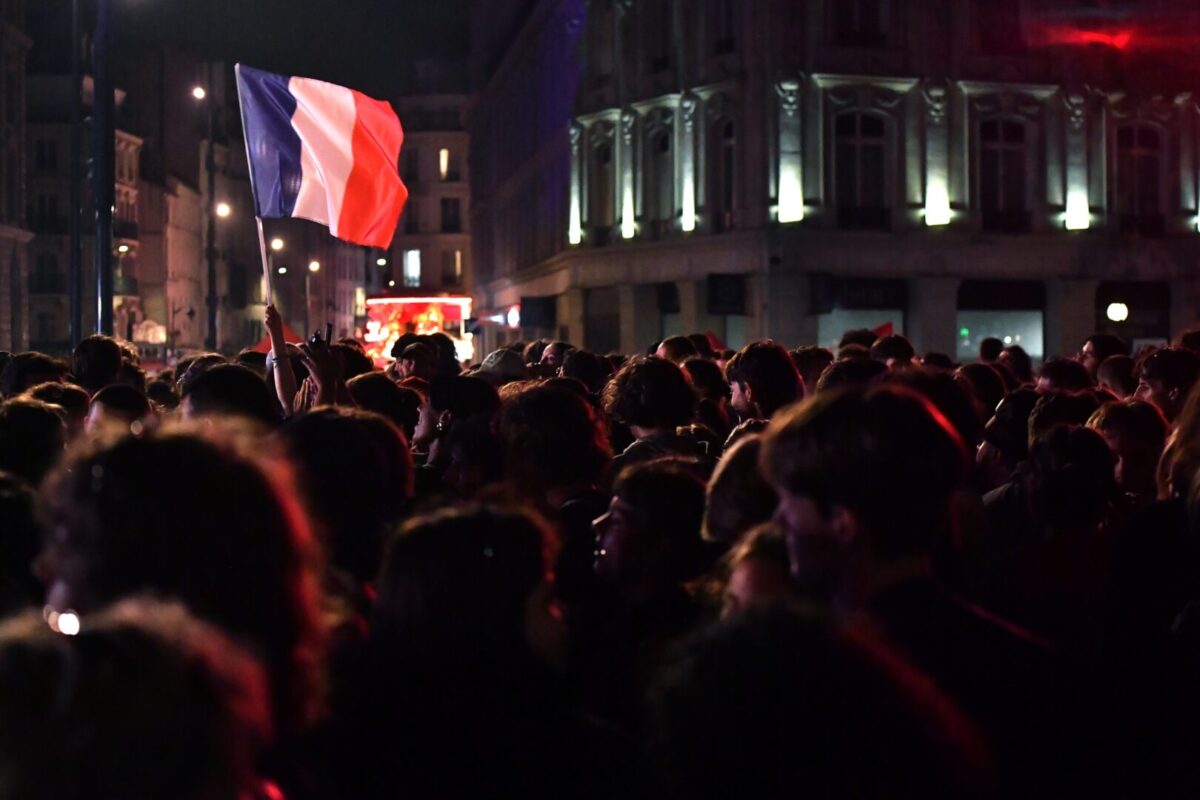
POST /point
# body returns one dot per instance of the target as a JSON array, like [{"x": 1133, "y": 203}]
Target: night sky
[{"x": 352, "y": 42}]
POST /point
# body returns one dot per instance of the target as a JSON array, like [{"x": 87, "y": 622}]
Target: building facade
[
  {"x": 14, "y": 233},
  {"x": 432, "y": 248},
  {"x": 796, "y": 168}
]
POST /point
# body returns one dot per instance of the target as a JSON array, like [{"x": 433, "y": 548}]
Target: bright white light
[
  {"x": 628, "y": 224},
  {"x": 282, "y": 270},
  {"x": 314, "y": 266},
  {"x": 277, "y": 244},
  {"x": 199, "y": 93},
  {"x": 391, "y": 283},
  {"x": 444, "y": 163},
  {"x": 224, "y": 210},
  {"x": 514, "y": 317},
  {"x": 381, "y": 262},
  {"x": 68, "y": 623},
  {"x": 1078, "y": 216},
  {"x": 1117, "y": 312},
  {"x": 412, "y": 268},
  {"x": 1008, "y": 340},
  {"x": 791, "y": 195},
  {"x": 122, "y": 249},
  {"x": 937, "y": 203},
  {"x": 575, "y": 226},
  {"x": 688, "y": 222}
]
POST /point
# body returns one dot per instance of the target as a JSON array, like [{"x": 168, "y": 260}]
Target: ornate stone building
[{"x": 794, "y": 168}]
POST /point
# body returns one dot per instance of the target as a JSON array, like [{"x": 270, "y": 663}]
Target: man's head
[
  {"x": 1166, "y": 378},
  {"x": 895, "y": 351},
  {"x": 33, "y": 436},
  {"x": 554, "y": 355},
  {"x": 872, "y": 470},
  {"x": 1063, "y": 375},
  {"x": 97, "y": 362},
  {"x": 26, "y": 370},
  {"x": 1118, "y": 374},
  {"x": 229, "y": 390},
  {"x": 810, "y": 362},
  {"x": 1059, "y": 409},
  {"x": 677, "y": 348},
  {"x": 116, "y": 407},
  {"x": 416, "y": 361},
  {"x": 1098, "y": 347},
  {"x": 650, "y": 393},
  {"x": 763, "y": 379},
  {"x": 990, "y": 350}
]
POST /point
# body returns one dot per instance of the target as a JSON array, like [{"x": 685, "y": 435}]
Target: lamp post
[
  {"x": 203, "y": 95},
  {"x": 103, "y": 172},
  {"x": 313, "y": 268}
]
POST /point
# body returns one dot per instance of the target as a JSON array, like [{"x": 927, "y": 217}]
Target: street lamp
[
  {"x": 314, "y": 267},
  {"x": 210, "y": 249},
  {"x": 199, "y": 93},
  {"x": 224, "y": 210},
  {"x": 282, "y": 270},
  {"x": 277, "y": 244},
  {"x": 381, "y": 262}
]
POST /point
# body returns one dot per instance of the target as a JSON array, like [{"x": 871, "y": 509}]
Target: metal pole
[
  {"x": 211, "y": 248},
  {"x": 307, "y": 301},
  {"x": 103, "y": 172},
  {"x": 75, "y": 256}
]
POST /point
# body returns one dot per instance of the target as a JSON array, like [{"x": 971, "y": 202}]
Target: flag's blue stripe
[{"x": 272, "y": 144}]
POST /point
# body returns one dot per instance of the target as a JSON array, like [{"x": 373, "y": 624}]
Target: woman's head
[
  {"x": 650, "y": 393},
  {"x": 238, "y": 556},
  {"x": 553, "y": 439}
]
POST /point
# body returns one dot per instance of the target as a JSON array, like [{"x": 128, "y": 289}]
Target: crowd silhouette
[{"x": 691, "y": 573}]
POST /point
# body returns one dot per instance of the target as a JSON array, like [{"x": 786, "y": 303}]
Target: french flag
[{"x": 323, "y": 153}]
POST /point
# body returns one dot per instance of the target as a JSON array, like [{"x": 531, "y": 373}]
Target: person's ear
[{"x": 844, "y": 526}]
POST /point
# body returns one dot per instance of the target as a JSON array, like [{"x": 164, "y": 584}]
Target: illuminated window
[
  {"x": 1003, "y": 175},
  {"x": 860, "y": 170},
  {"x": 412, "y": 268},
  {"x": 444, "y": 163},
  {"x": 1137, "y": 185}
]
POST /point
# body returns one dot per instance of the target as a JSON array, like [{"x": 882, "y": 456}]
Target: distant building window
[
  {"x": 660, "y": 181},
  {"x": 1138, "y": 179},
  {"x": 412, "y": 268},
  {"x": 46, "y": 155},
  {"x": 1003, "y": 178},
  {"x": 659, "y": 32},
  {"x": 860, "y": 170},
  {"x": 412, "y": 217},
  {"x": 600, "y": 192},
  {"x": 452, "y": 267},
  {"x": 722, "y": 26},
  {"x": 722, "y": 175},
  {"x": 412, "y": 165},
  {"x": 448, "y": 166},
  {"x": 451, "y": 215},
  {"x": 859, "y": 23}
]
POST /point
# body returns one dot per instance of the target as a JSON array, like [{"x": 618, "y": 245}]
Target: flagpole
[{"x": 266, "y": 263}]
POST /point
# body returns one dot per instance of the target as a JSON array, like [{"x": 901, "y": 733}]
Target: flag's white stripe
[{"x": 324, "y": 119}]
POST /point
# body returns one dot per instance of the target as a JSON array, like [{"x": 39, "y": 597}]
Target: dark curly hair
[
  {"x": 553, "y": 437},
  {"x": 650, "y": 393}
]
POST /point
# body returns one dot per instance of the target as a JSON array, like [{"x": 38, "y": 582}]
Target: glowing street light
[
  {"x": 123, "y": 249},
  {"x": 391, "y": 283},
  {"x": 277, "y": 244},
  {"x": 199, "y": 93},
  {"x": 314, "y": 266},
  {"x": 224, "y": 210},
  {"x": 381, "y": 262},
  {"x": 282, "y": 270},
  {"x": 1117, "y": 312}
]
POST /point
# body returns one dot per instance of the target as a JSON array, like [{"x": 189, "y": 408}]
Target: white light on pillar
[
  {"x": 1078, "y": 216},
  {"x": 688, "y": 222},
  {"x": 1117, "y": 312},
  {"x": 575, "y": 229},
  {"x": 791, "y": 194},
  {"x": 937, "y": 203},
  {"x": 628, "y": 225}
]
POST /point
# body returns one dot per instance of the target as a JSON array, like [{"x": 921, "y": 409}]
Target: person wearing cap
[
  {"x": 416, "y": 361},
  {"x": 502, "y": 366}
]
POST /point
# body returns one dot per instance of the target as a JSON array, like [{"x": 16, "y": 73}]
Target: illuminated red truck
[{"x": 388, "y": 318}]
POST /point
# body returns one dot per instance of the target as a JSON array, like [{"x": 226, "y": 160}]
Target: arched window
[
  {"x": 860, "y": 170},
  {"x": 722, "y": 172},
  {"x": 600, "y": 191},
  {"x": 1137, "y": 184},
  {"x": 1003, "y": 175},
  {"x": 659, "y": 196}
]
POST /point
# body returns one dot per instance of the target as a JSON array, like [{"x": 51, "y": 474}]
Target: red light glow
[
  {"x": 388, "y": 318},
  {"x": 1060, "y": 34}
]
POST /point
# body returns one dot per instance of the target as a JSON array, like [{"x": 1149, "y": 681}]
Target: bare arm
[{"x": 285, "y": 377}]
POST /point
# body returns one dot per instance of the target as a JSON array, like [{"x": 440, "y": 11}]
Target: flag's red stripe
[{"x": 375, "y": 195}]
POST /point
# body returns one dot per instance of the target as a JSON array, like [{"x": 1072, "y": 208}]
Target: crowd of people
[{"x": 555, "y": 573}]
